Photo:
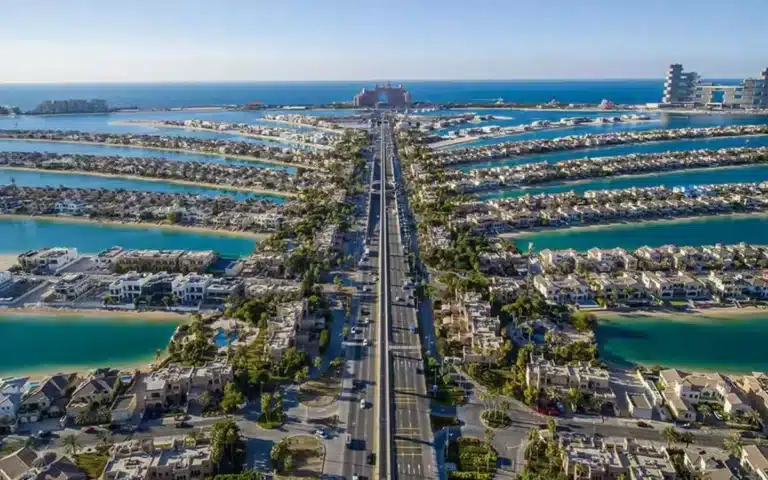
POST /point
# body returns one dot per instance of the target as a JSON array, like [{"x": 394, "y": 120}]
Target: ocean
[
  {"x": 45, "y": 343},
  {"x": 733, "y": 345},
  {"x": 170, "y": 95},
  {"x": 21, "y": 235},
  {"x": 695, "y": 232}
]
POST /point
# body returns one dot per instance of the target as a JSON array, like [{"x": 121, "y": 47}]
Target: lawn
[
  {"x": 450, "y": 395},
  {"x": 92, "y": 463},
  {"x": 496, "y": 419},
  {"x": 321, "y": 392},
  {"x": 272, "y": 423},
  {"x": 308, "y": 457},
  {"x": 474, "y": 459}
]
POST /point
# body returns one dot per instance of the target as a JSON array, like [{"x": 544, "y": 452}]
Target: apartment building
[
  {"x": 176, "y": 384},
  {"x": 542, "y": 373},
  {"x": 145, "y": 460},
  {"x": 285, "y": 329},
  {"x": 687, "y": 89},
  {"x": 47, "y": 260},
  {"x": 609, "y": 458},
  {"x": 485, "y": 339},
  {"x": 505, "y": 289},
  {"x": 183, "y": 261}
]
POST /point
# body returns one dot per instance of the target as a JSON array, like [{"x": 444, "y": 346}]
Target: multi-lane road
[{"x": 411, "y": 435}]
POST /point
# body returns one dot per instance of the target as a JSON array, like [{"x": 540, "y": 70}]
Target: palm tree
[
  {"x": 733, "y": 445},
  {"x": 686, "y": 438},
  {"x": 71, "y": 444},
  {"x": 575, "y": 397},
  {"x": 753, "y": 418},
  {"x": 670, "y": 435}
]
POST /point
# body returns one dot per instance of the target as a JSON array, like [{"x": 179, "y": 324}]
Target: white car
[
  {"x": 363, "y": 404},
  {"x": 399, "y": 299},
  {"x": 365, "y": 342}
]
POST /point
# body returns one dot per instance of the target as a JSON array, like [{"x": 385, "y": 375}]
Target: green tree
[
  {"x": 733, "y": 445},
  {"x": 266, "y": 406},
  {"x": 552, "y": 426},
  {"x": 225, "y": 435},
  {"x": 71, "y": 445},
  {"x": 685, "y": 438},
  {"x": 174, "y": 217},
  {"x": 318, "y": 362},
  {"x": 232, "y": 399},
  {"x": 337, "y": 282},
  {"x": 670, "y": 435},
  {"x": 584, "y": 321},
  {"x": 205, "y": 399}
]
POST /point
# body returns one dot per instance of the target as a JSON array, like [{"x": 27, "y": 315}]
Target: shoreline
[
  {"x": 699, "y": 314},
  {"x": 129, "y": 315},
  {"x": 280, "y": 140},
  {"x": 139, "y": 225},
  {"x": 186, "y": 183},
  {"x": 163, "y": 149},
  {"x": 628, "y": 224}
]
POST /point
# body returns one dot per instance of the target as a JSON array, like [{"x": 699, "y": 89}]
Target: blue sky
[{"x": 240, "y": 40}]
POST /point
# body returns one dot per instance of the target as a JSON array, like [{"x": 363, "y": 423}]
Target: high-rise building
[{"x": 687, "y": 88}]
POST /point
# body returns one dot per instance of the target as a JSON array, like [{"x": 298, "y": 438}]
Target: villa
[
  {"x": 564, "y": 290},
  {"x": 49, "y": 397},
  {"x": 73, "y": 285},
  {"x": 98, "y": 389},
  {"x": 293, "y": 326},
  {"x": 177, "y": 385},
  {"x": 675, "y": 285},
  {"x": 47, "y": 260},
  {"x": 683, "y": 391},
  {"x": 469, "y": 324},
  {"x": 26, "y": 464},
  {"x": 754, "y": 459}
]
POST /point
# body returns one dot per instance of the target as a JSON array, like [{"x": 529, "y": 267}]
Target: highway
[
  {"x": 413, "y": 453},
  {"x": 361, "y": 381}
]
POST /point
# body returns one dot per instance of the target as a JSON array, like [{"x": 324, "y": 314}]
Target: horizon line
[{"x": 416, "y": 80}]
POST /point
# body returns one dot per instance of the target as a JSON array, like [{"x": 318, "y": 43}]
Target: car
[
  {"x": 320, "y": 433},
  {"x": 355, "y": 477},
  {"x": 183, "y": 425},
  {"x": 365, "y": 342},
  {"x": 643, "y": 424},
  {"x": 348, "y": 440},
  {"x": 412, "y": 328},
  {"x": 43, "y": 434},
  {"x": 364, "y": 321},
  {"x": 370, "y": 458},
  {"x": 363, "y": 403},
  {"x": 399, "y": 299},
  {"x": 89, "y": 430}
]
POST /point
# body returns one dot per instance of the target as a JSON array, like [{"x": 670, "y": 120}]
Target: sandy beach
[
  {"x": 161, "y": 149},
  {"x": 154, "y": 315},
  {"x": 213, "y": 186},
  {"x": 625, "y": 224},
  {"x": 287, "y": 141},
  {"x": 700, "y": 314},
  {"x": 139, "y": 225},
  {"x": 7, "y": 261}
]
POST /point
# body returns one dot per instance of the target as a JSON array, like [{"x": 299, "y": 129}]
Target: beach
[
  {"x": 699, "y": 314},
  {"x": 212, "y": 186},
  {"x": 138, "y": 225},
  {"x": 7, "y": 261}
]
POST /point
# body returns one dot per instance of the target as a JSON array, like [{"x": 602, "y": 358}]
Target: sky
[{"x": 272, "y": 40}]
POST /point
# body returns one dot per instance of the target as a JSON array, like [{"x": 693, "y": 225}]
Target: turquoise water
[
  {"x": 106, "y": 150},
  {"x": 753, "y": 141},
  {"x": 665, "y": 120},
  {"x": 37, "y": 343},
  {"x": 42, "y": 179},
  {"x": 21, "y": 235},
  {"x": 753, "y": 173},
  {"x": 221, "y": 337},
  {"x": 704, "y": 231},
  {"x": 734, "y": 345}
]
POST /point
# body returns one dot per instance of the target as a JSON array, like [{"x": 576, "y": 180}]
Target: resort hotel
[{"x": 687, "y": 89}]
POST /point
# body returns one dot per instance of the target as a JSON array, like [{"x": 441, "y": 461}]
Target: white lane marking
[
  {"x": 409, "y": 469},
  {"x": 418, "y": 468}
]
